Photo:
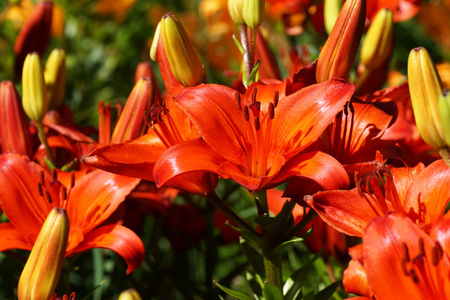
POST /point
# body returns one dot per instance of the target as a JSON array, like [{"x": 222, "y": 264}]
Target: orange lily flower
[
  {"x": 256, "y": 141},
  {"x": 403, "y": 9},
  {"x": 419, "y": 193},
  {"x": 400, "y": 261},
  {"x": 28, "y": 193}
]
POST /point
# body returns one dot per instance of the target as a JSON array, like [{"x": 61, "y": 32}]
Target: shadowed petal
[{"x": 119, "y": 239}]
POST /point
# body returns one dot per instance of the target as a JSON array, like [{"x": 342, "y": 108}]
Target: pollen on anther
[
  {"x": 246, "y": 113},
  {"x": 72, "y": 180},
  {"x": 238, "y": 100},
  {"x": 271, "y": 110},
  {"x": 42, "y": 178},
  {"x": 405, "y": 252},
  {"x": 55, "y": 175},
  {"x": 421, "y": 247},
  {"x": 41, "y": 192},
  {"x": 437, "y": 254},
  {"x": 276, "y": 97},
  {"x": 255, "y": 90},
  {"x": 257, "y": 125},
  {"x": 49, "y": 198}
]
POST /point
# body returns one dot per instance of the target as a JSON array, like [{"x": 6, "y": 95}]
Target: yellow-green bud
[
  {"x": 425, "y": 88},
  {"x": 34, "y": 98},
  {"x": 331, "y": 9},
  {"x": 41, "y": 272},
  {"x": 55, "y": 78},
  {"x": 235, "y": 10},
  {"x": 375, "y": 47},
  {"x": 184, "y": 62},
  {"x": 130, "y": 294},
  {"x": 444, "y": 112},
  {"x": 253, "y": 12},
  {"x": 155, "y": 42}
]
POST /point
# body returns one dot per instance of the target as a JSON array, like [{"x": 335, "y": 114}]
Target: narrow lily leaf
[
  {"x": 299, "y": 277},
  {"x": 271, "y": 292},
  {"x": 238, "y": 44},
  {"x": 253, "y": 256},
  {"x": 282, "y": 246},
  {"x": 233, "y": 293},
  {"x": 255, "y": 283},
  {"x": 327, "y": 292}
]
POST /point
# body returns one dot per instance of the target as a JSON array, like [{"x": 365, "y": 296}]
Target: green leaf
[
  {"x": 253, "y": 257},
  {"x": 271, "y": 292},
  {"x": 282, "y": 246},
  {"x": 238, "y": 44},
  {"x": 327, "y": 292},
  {"x": 233, "y": 293},
  {"x": 255, "y": 283}
]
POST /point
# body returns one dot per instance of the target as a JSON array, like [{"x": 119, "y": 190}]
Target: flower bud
[
  {"x": 253, "y": 12},
  {"x": 131, "y": 123},
  {"x": 34, "y": 35},
  {"x": 444, "y": 113},
  {"x": 235, "y": 10},
  {"x": 331, "y": 9},
  {"x": 41, "y": 272},
  {"x": 184, "y": 62},
  {"x": 425, "y": 88},
  {"x": 14, "y": 131},
  {"x": 155, "y": 42},
  {"x": 339, "y": 52},
  {"x": 376, "y": 45},
  {"x": 55, "y": 78},
  {"x": 130, "y": 294},
  {"x": 143, "y": 69},
  {"x": 34, "y": 98}
]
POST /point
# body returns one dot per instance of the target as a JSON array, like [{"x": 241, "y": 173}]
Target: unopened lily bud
[
  {"x": 444, "y": 112},
  {"x": 155, "y": 42},
  {"x": 331, "y": 9},
  {"x": 34, "y": 35},
  {"x": 425, "y": 87},
  {"x": 55, "y": 78},
  {"x": 339, "y": 52},
  {"x": 184, "y": 62},
  {"x": 34, "y": 98},
  {"x": 143, "y": 69},
  {"x": 41, "y": 272},
  {"x": 131, "y": 123},
  {"x": 376, "y": 45},
  {"x": 130, "y": 294},
  {"x": 253, "y": 12},
  {"x": 235, "y": 10},
  {"x": 14, "y": 131}
]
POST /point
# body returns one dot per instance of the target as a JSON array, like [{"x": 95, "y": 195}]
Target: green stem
[
  {"x": 222, "y": 206},
  {"x": 445, "y": 154},
  {"x": 99, "y": 274},
  {"x": 272, "y": 265},
  {"x": 43, "y": 139},
  {"x": 244, "y": 43},
  {"x": 305, "y": 221}
]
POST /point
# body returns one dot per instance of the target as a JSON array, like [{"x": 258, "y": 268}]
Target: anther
[
  {"x": 255, "y": 90},
  {"x": 405, "y": 252},
  {"x": 414, "y": 276},
  {"x": 237, "y": 96},
  {"x": 404, "y": 269},
  {"x": 41, "y": 193},
  {"x": 55, "y": 176},
  {"x": 63, "y": 193},
  {"x": 72, "y": 180},
  {"x": 346, "y": 109},
  {"x": 246, "y": 114},
  {"x": 421, "y": 247},
  {"x": 271, "y": 110},
  {"x": 437, "y": 253},
  {"x": 350, "y": 105},
  {"x": 276, "y": 97},
  {"x": 49, "y": 198},
  {"x": 257, "y": 125},
  {"x": 42, "y": 178}
]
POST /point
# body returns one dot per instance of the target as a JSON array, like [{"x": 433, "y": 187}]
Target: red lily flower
[
  {"x": 28, "y": 193},
  {"x": 255, "y": 142},
  {"x": 401, "y": 261},
  {"x": 419, "y": 193}
]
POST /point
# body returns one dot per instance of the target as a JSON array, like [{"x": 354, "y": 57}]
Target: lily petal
[
  {"x": 135, "y": 159},
  {"x": 119, "y": 239},
  {"x": 11, "y": 238}
]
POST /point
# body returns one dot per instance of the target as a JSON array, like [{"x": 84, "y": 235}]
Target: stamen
[
  {"x": 49, "y": 198},
  {"x": 246, "y": 114},
  {"x": 257, "y": 125},
  {"x": 405, "y": 252},
  {"x": 238, "y": 100},
  {"x": 72, "y": 180},
  {"x": 256, "y": 108},
  {"x": 271, "y": 110},
  {"x": 42, "y": 178},
  {"x": 437, "y": 253},
  {"x": 63, "y": 193},
  {"x": 253, "y": 97},
  {"x": 346, "y": 109},
  {"x": 414, "y": 276},
  {"x": 404, "y": 269},
  {"x": 41, "y": 193},
  {"x": 350, "y": 105},
  {"x": 421, "y": 247},
  {"x": 55, "y": 176},
  {"x": 276, "y": 97}
]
